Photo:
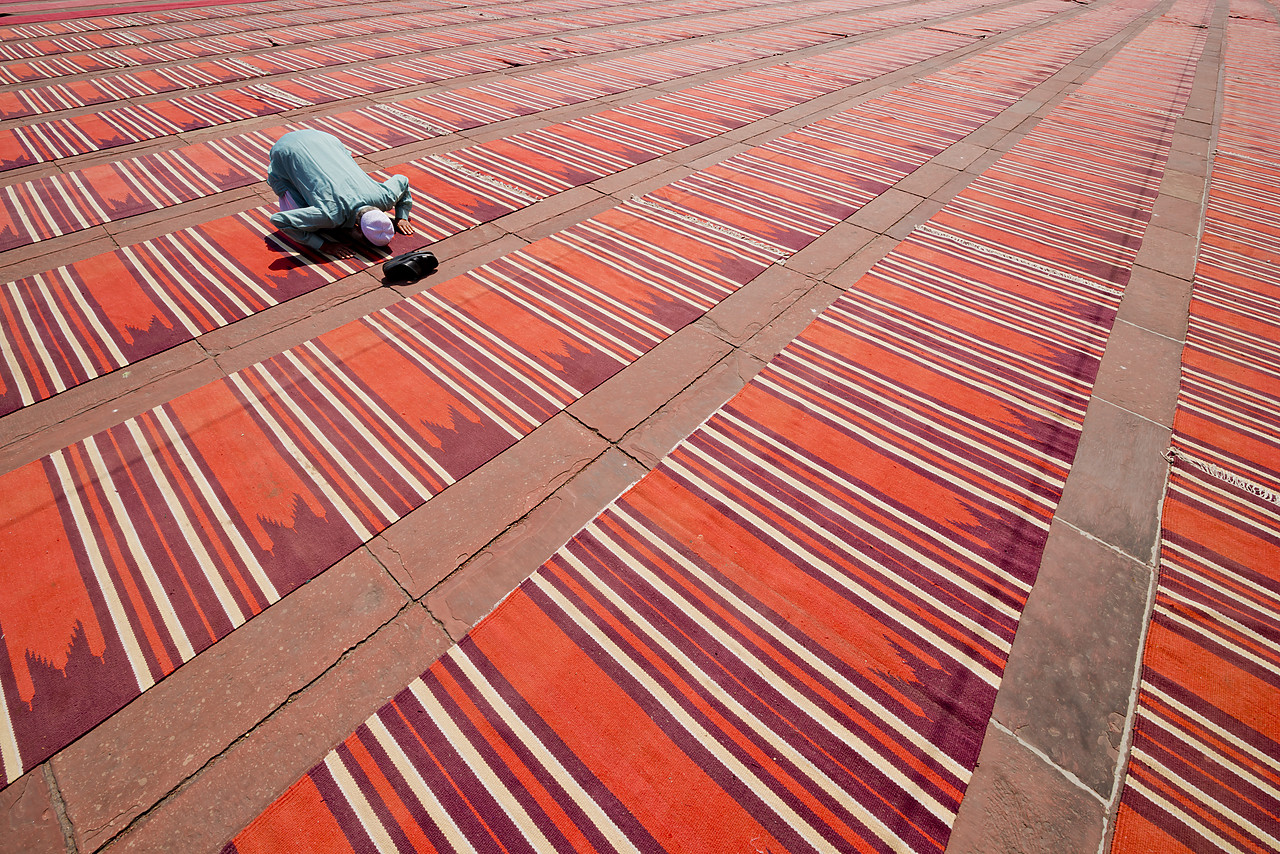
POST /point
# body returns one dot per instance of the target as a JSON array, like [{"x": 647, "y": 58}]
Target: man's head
[{"x": 375, "y": 225}]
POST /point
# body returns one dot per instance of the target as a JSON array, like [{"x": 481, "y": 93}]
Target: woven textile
[
  {"x": 1204, "y": 770},
  {"x": 789, "y": 635},
  {"x": 166, "y": 542}
]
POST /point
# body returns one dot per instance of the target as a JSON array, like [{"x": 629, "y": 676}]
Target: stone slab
[
  {"x": 303, "y": 326},
  {"x": 1017, "y": 804},
  {"x": 431, "y": 542},
  {"x": 766, "y": 343},
  {"x": 1114, "y": 489},
  {"x": 1067, "y": 685},
  {"x": 880, "y": 214},
  {"x": 28, "y": 820},
  {"x": 51, "y": 424},
  {"x": 288, "y": 313},
  {"x": 476, "y": 588},
  {"x": 1156, "y": 301},
  {"x": 233, "y": 790},
  {"x": 1170, "y": 252},
  {"x": 821, "y": 257},
  {"x": 658, "y": 434},
  {"x": 633, "y": 394},
  {"x": 1140, "y": 372},
  {"x": 847, "y": 274},
  {"x": 747, "y": 310}
]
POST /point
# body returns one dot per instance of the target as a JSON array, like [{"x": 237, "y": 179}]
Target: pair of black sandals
[{"x": 410, "y": 266}]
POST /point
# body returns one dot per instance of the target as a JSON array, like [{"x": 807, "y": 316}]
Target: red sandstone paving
[
  {"x": 476, "y": 588},
  {"x": 882, "y": 212},
  {"x": 468, "y": 547},
  {"x": 1066, "y": 686},
  {"x": 245, "y": 779},
  {"x": 431, "y": 542},
  {"x": 582, "y": 203},
  {"x": 332, "y": 308},
  {"x": 1140, "y": 373},
  {"x": 745, "y": 312},
  {"x": 821, "y": 257},
  {"x": 1117, "y": 479},
  {"x": 465, "y": 252},
  {"x": 1158, "y": 302},
  {"x": 766, "y": 343},
  {"x": 1167, "y": 251},
  {"x": 658, "y": 434},
  {"x": 29, "y": 823},
  {"x": 627, "y": 398},
  {"x": 1017, "y": 805},
  {"x": 58, "y": 251}
]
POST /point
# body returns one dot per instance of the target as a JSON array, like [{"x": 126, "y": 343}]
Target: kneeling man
[{"x": 322, "y": 188}]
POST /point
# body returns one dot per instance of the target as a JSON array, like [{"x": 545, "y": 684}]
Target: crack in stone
[{"x": 60, "y": 808}]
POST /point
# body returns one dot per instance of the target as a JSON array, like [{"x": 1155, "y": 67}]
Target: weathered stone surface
[
  {"x": 1114, "y": 489},
  {"x": 28, "y": 820},
  {"x": 653, "y": 439},
  {"x": 441, "y": 535},
  {"x": 1017, "y": 804},
  {"x": 244, "y": 780},
  {"x": 465, "y": 597},
  {"x": 1140, "y": 372},
  {"x": 633, "y": 394},
  {"x": 1067, "y": 685}
]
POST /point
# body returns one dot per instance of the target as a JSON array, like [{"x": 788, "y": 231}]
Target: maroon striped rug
[{"x": 788, "y": 636}]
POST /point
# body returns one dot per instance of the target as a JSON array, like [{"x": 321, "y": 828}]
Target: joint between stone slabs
[
  {"x": 609, "y": 443},
  {"x": 185, "y": 782},
  {"x": 1179, "y": 341},
  {"x": 618, "y": 444},
  {"x": 1044, "y": 757},
  {"x": 422, "y": 600},
  {"x": 637, "y": 461},
  {"x": 368, "y": 551},
  {"x": 59, "y": 808},
  {"x": 505, "y": 529},
  {"x": 439, "y": 624},
  {"x": 1150, "y": 565}
]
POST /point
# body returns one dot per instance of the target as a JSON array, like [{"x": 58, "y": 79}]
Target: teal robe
[{"x": 316, "y": 169}]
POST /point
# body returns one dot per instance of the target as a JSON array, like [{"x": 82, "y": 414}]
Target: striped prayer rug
[
  {"x": 166, "y": 541},
  {"x": 161, "y": 538},
  {"x": 77, "y": 200},
  {"x": 65, "y": 203},
  {"x": 1204, "y": 768},
  {"x": 80, "y": 321},
  {"x": 43, "y": 141},
  {"x": 789, "y": 635}
]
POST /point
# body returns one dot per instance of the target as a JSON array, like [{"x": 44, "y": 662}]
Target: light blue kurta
[{"x": 317, "y": 170}]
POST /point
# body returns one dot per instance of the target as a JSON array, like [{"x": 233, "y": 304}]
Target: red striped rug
[
  {"x": 66, "y": 203},
  {"x": 1204, "y": 769},
  {"x": 80, "y": 321},
  {"x": 788, "y": 636},
  {"x": 163, "y": 541}
]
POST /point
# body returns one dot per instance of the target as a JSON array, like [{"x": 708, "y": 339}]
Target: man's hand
[
  {"x": 404, "y": 226},
  {"x": 341, "y": 251}
]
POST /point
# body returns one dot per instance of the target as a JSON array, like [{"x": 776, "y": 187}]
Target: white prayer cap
[{"x": 376, "y": 227}]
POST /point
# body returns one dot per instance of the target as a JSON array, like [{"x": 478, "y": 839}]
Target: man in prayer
[{"x": 321, "y": 188}]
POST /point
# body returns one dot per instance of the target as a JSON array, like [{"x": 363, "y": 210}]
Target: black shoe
[{"x": 410, "y": 266}]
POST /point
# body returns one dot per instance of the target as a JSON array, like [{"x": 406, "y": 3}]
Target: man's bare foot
[
  {"x": 341, "y": 251},
  {"x": 404, "y": 226}
]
